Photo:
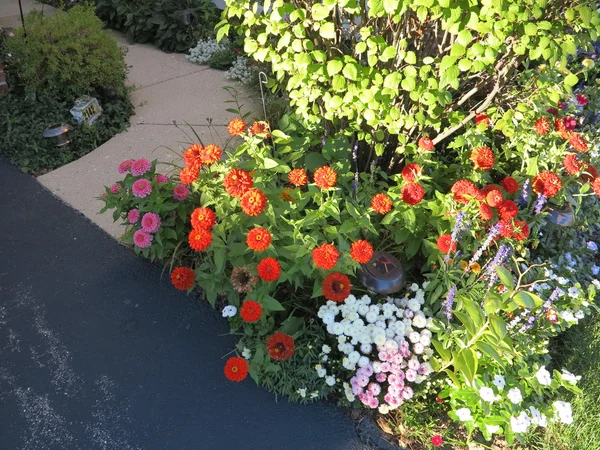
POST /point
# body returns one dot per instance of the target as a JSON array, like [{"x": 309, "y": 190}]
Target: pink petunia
[
  {"x": 151, "y": 222},
  {"x": 133, "y": 215},
  {"x": 180, "y": 192},
  {"x": 141, "y": 188},
  {"x": 160, "y": 179},
  {"x": 115, "y": 188},
  {"x": 142, "y": 239},
  {"x": 140, "y": 167},
  {"x": 125, "y": 166}
]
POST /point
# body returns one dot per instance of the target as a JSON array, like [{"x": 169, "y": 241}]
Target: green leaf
[
  {"x": 319, "y": 11},
  {"x": 350, "y": 71},
  {"x": 498, "y": 327},
  {"x": 530, "y": 29},
  {"x": 505, "y": 277},
  {"x": 409, "y": 84},
  {"x": 388, "y": 53},
  {"x": 466, "y": 362},
  {"x": 410, "y": 58},
  {"x": 571, "y": 80},
  {"x": 457, "y": 50},
  {"x": 490, "y": 351},
  {"x": 338, "y": 83},
  {"x": 443, "y": 352},
  {"x": 390, "y": 6},
  {"x": 314, "y": 160},
  {"x": 271, "y": 304},
  {"x": 524, "y": 299},
  {"x": 327, "y": 31},
  {"x": 334, "y": 66}
]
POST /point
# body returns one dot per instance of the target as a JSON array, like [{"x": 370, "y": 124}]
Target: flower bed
[{"x": 283, "y": 228}]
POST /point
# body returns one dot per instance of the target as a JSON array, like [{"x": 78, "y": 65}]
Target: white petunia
[
  {"x": 492, "y": 428},
  {"x": 564, "y": 412},
  {"x": 543, "y": 376},
  {"x": 229, "y": 311},
  {"x": 464, "y": 414},
  {"x": 486, "y": 394},
  {"x": 567, "y": 316},
  {"x": 569, "y": 377},
  {"x": 537, "y": 418},
  {"x": 515, "y": 396},
  {"x": 520, "y": 423},
  {"x": 499, "y": 381}
]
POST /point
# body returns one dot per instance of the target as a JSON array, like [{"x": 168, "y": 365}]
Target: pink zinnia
[
  {"x": 141, "y": 188},
  {"x": 140, "y": 167},
  {"x": 125, "y": 166},
  {"x": 180, "y": 192},
  {"x": 115, "y": 188},
  {"x": 151, "y": 222},
  {"x": 162, "y": 179},
  {"x": 142, "y": 239},
  {"x": 582, "y": 99},
  {"x": 133, "y": 215}
]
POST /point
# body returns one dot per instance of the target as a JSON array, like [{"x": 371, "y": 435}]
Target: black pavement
[{"x": 98, "y": 352}]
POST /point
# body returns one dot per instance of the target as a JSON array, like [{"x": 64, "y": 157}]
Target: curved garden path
[{"x": 167, "y": 88}]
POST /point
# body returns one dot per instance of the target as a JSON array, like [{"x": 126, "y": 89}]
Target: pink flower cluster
[
  {"x": 150, "y": 222},
  {"x": 392, "y": 367},
  {"x": 142, "y": 239},
  {"x": 140, "y": 167},
  {"x": 141, "y": 188},
  {"x": 180, "y": 192}
]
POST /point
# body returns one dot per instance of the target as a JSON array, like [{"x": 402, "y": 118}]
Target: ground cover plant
[
  {"x": 63, "y": 57},
  {"x": 462, "y": 158}
]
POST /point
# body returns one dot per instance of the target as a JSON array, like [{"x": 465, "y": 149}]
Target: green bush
[
  {"x": 160, "y": 22},
  {"x": 65, "y": 56}
]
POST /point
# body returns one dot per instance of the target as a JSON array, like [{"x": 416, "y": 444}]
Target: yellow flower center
[
  {"x": 234, "y": 177},
  {"x": 258, "y": 237},
  {"x": 178, "y": 276},
  {"x": 198, "y": 237},
  {"x": 201, "y": 217},
  {"x": 234, "y": 369},
  {"x": 341, "y": 286}
]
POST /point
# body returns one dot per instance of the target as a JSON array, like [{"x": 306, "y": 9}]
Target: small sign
[{"x": 86, "y": 109}]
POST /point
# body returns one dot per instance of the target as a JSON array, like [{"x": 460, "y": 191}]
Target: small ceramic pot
[
  {"x": 563, "y": 216},
  {"x": 383, "y": 274}
]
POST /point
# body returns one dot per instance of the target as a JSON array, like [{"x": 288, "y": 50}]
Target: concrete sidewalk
[
  {"x": 167, "y": 88},
  {"x": 99, "y": 352},
  {"x": 10, "y": 16}
]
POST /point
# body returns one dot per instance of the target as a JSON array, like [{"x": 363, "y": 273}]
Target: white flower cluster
[
  {"x": 205, "y": 49},
  {"x": 240, "y": 71}
]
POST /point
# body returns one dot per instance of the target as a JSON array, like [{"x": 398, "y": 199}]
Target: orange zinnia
[
  {"x": 325, "y": 177},
  {"x": 325, "y": 256},
  {"x": 258, "y": 239},
  {"x": 236, "y": 127},
  {"x": 253, "y": 202},
  {"x": 237, "y": 182},
  {"x": 210, "y": 154}
]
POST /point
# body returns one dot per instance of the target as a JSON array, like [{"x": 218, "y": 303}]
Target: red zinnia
[
  {"x": 280, "y": 346},
  {"x": 596, "y": 186},
  {"x": 483, "y": 158},
  {"x": 191, "y": 156},
  {"x": 236, "y": 127},
  {"x": 508, "y": 210},
  {"x": 485, "y": 211},
  {"x": 259, "y": 129},
  {"x": 269, "y": 269},
  {"x": 571, "y": 164},
  {"x": 493, "y": 196},
  {"x": 482, "y": 118},
  {"x": 510, "y": 185},
  {"x": 464, "y": 191},
  {"x": 203, "y": 218},
  {"x": 188, "y": 175},
  {"x": 520, "y": 230},
  {"x": 578, "y": 142},
  {"x": 361, "y": 251},
  {"x": 210, "y": 154},
  {"x": 258, "y": 239},
  {"x": 426, "y": 144},
  {"x": 506, "y": 228},
  {"x": 561, "y": 129},
  {"x": 237, "y": 182},
  {"x": 437, "y": 440},
  {"x": 298, "y": 177},
  {"x": 325, "y": 177},
  {"x": 183, "y": 278},
  {"x": 410, "y": 171},
  {"x": 236, "y": 369},
  {"x": 325, "y": 256},
  {"x": 253, "y": 202},
  {"x": 542, "y": 126},
  {"x": 445, "y": 245},
  {"x": 581, "y": 99},
  {"x": 251, "y": 311},
  {"x": 412, "y": 193},
  {"x": 336, "y": 287},
  {"x": 381, "y": 203},
  {"x": 200, "y": 239},
  {"x": 547, "y": 183}
]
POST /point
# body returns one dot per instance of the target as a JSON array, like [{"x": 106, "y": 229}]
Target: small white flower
[
  {"x": 413, "y": 305},
  {"x": 543, "y": 376},
  {"x": 418, "y": 348},
  {"x": 574, "y": 292},
  {"x": 520, "y": 423},
  {"x": 414, "y": 337},
  {"x": 302, "y": 392},
  {"x": 567, "y": 316},
  {"x": 229, "y": 311},
  {"x": 326, "y": 348},
  {"x": 379, "y": 339},
  {"x": 330, "y": 381},
  {"x": 564, "y": 412},
  {"x": 425, "y": 341},
  {"x": 486, "y": 394},
  {"x": 321, "y": 372},
  {"x": 246, "y": 353},
  {"x": 499, "y": 381},
  {"x": 580, "y": 314},
  {"x": 324, "y": 358},
  {"x": 569, "y": 377},
  {"x": 419, "y": 321},
  {"x": 366, "y": 348},
  {"x": 314, "y": 394},
  {"x": 363, "y": 361},
  {"x": 492, "y": 428},
  {"x": 515, "y": 396},
  {"x": 384, "y": 408},
  {"x": 537, "y": 418},
  {"x": 464, "y": 414}
]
